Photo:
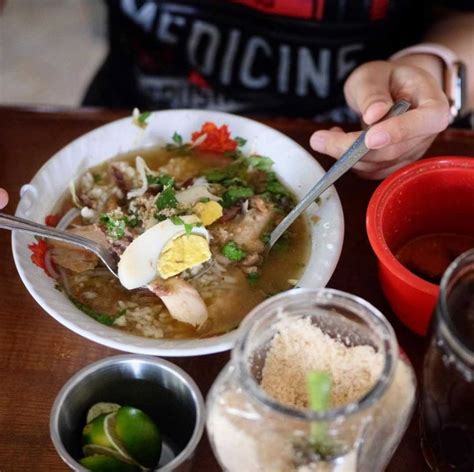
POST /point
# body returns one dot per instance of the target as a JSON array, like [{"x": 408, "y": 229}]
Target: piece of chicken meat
[
  {"x": 247, "y": 230},
  {"x": 181, "y": 299},
  {"x": 73, "y": 257}
]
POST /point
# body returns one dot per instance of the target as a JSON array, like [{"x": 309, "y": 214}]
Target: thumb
[{"x": 367, "y": 91}]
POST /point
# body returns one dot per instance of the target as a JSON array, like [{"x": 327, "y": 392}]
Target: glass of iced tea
[{"x": 447, "y": 408}]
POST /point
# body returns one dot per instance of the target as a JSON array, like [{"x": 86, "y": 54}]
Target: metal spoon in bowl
[
  {"x": 19, "y": 224},
  {"x": 353, "y": 155}
]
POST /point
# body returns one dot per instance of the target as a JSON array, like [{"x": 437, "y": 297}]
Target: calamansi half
[
  {"x": 94, "y": 432},
  {"x": 139, "y": 435}
]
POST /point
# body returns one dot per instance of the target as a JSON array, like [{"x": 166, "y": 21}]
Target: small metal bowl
[{"x": 164, "y": 391}]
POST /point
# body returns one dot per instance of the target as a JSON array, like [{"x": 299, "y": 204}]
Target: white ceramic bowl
[{"x": 295, "y": 167}]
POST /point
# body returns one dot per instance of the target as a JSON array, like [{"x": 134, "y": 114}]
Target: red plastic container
[{"x": 430, "y": 196}]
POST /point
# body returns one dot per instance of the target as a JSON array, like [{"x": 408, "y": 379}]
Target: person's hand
[
  {"x": 3, "y": 198},
  {"x": 371, "y": 90}
]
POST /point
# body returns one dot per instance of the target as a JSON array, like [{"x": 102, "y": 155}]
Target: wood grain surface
[{"x": 38, "y": 355}]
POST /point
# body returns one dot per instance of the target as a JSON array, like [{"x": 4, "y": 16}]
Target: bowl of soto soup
[{"x": 185, "y": 200}]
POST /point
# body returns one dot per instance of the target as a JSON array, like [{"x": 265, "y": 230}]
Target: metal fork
[{"x": 13, "y": 223}]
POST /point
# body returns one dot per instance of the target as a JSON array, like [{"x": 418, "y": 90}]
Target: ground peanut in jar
[{"x": 251, "y": 435}]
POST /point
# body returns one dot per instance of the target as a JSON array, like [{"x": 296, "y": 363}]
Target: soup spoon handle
[
  {"x": 353, "y": 155},
  {"x": 14, "y": 223}
]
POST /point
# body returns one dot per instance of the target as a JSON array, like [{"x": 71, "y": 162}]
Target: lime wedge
[
  {"x": 94, "y": 432},
  {"x": 101, "y": 463},
  {"x": 101, "y": 408},
  {"x": 139, "y": 435},
  {"x": 110, "y": 432}
]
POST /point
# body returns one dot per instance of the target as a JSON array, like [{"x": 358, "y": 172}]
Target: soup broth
[{"x": 229, "y": 288}]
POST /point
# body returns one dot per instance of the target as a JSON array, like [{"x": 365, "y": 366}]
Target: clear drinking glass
[
  {"x": 447, "y": 407},
  {"x": 249, "y": 431}
]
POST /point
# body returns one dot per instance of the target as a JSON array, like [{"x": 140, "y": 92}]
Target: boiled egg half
[{"x": 166, "y": 249}]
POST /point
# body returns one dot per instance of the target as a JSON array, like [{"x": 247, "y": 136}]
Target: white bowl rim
[{"x": 202, "y": 346}]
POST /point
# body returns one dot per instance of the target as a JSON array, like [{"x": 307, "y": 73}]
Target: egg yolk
[{"x": 183, "y": 253}]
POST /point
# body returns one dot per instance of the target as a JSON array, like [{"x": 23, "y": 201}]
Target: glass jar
[
  {"x": 250, "y": 431},
  {"x": 447, "y": 407}
]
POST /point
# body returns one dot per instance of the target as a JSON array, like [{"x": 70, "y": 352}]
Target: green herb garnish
[
  {"x": 97, "y": 178},
  {"x": 188, "y": 227},
  {"x": 164, "y": 180},
  {"x": 265, "y": 238},
  {"x": 233, "y": 252},
  {"x": 253, "y": 278},
  {"x": 260, "y": 162},
  {"x": 142, "y": 117},
  {"x": 132, "y": 221},
  {"x": 234, "y": 194},
  {"x": 217, "y": 175},
  {"x": 178, "y": 146},
  {"x": 166, "y": 199},
  {"x": 177, "y": 220},
  {"x": 240, "y": 141},
  {"x": 102, "y": 318},
  {"x": 177, "y": 139},
  {"x": 275, "y": 187},
  {"x": 115, "y": 227}
]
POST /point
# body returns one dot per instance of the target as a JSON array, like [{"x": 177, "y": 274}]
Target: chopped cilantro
[
  {"x": 234, "y": 194},
  {"x": 275, "y": 187},
  {"x": 237, "y": 169},
  {"x": 160, "y": 217},
  {"x": 260, "y": 162},
  {"x": 176, "y": 220},
  {"x": 163, "y": 180},
  {"x": 177, "y": 138},
  {"x": 217, "y": 175},
  {"x": 265, "y": 237},
  {"x": 188, "y": 227},
  {"x": 166, "y": 199},
  {"x": 178, "y": 147},
  {"x": 97, "y": 178},
  {"x": 252, "y": 278},
  {"x": 142, "y": 117},
  {"x": 233, "y": 154},
  {"x": 103, "y": 318},
  {"x": 234, "y": 182},
  {"x": 240, "y": 141},
  {"x": 233, "y": 252},
  {"x": 116, "y": 226},
  {"x": 204, "y": 199},
  {"x": 132, "y": 221}
]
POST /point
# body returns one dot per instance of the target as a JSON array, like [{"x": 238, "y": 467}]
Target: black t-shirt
[{"x": 288, "y": 57}]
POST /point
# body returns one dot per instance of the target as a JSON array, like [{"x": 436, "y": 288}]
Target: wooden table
[{"x": 38, "y": 355}]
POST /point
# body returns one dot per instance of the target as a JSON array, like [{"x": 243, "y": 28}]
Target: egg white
[{"x": 138, "y": 265}]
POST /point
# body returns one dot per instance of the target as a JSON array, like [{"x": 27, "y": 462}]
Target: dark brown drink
[{"x": 447, "y": 419}]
